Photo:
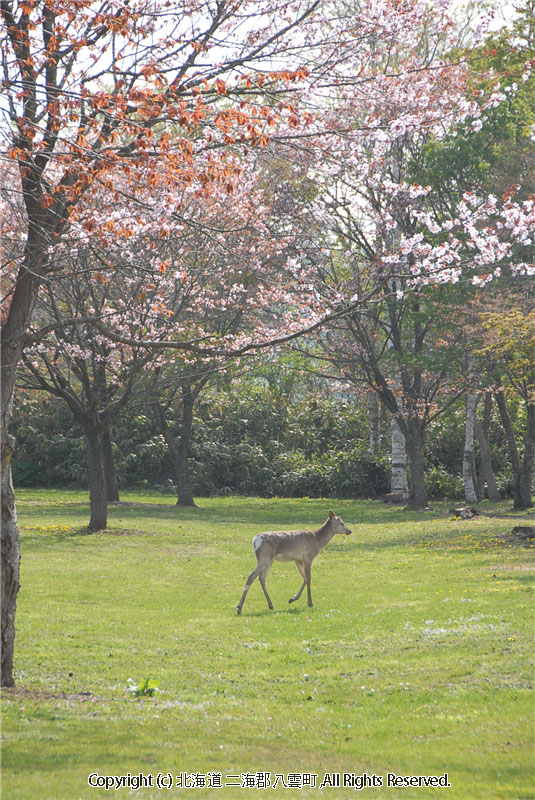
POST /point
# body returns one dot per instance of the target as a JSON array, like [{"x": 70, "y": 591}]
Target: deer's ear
[{"x": 331, "y": 514}]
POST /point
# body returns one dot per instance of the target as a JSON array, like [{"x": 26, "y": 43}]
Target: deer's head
[{"x": 338, "y": 524}]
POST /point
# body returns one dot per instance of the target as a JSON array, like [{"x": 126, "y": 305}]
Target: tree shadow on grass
[
  {"x": 291, "y": 610},
  {"x": 269, "y": 513},
  {"x": 512, "y": 513},
  {"x": 524, "y": 579}
]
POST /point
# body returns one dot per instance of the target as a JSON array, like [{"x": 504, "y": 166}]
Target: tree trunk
[
  {"x": 487, "y": 473},
  {"x": 399, "y": 483},
  {"x": 13, "y": 334},
  {"x": 108, "y": 465},
  {"x": 468, "y": 455},
  {"x": 184, "y": 488},
  {"x": 373, "y": 420},
  {"x": 10, "y": 561},
  {"x": 179, "y": 450},
  {"x": 415, "y": 453},
  {"x": 97, "y": 486}
]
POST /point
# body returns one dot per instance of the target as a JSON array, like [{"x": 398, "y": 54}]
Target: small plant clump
[{"x": 146, "y": 688}]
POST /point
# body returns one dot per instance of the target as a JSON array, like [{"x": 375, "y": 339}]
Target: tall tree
[
  {"x": 88, "y": 87},
  {"x": 385, "y": 221},
  {"x": 179, "y": 401},
  {"x": 203, "y": 279},
  {"x": 93, "y": 376}
]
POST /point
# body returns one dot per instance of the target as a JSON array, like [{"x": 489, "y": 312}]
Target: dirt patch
[
  {"x": 45, "y": 695},
  {"x": 74, "y": 504},
  {"x": 135, "y": 504},
  {"x": 125, "y": 532}
]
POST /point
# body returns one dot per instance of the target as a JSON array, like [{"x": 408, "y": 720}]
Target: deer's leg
[
  {"x": 263, "y": 574},
  {"x": 254, "y": 574},
  {"x": 307, "y": 579},
  {"x": 302, "y": 571}
]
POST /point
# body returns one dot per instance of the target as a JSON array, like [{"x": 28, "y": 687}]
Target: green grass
[{"x": 417, "y": 658}]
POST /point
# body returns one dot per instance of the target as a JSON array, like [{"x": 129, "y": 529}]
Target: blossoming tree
[
  {"x": 423, "y": 244},
  {"x": 88, "y": 87},
  {"x": 144, "y": 100}
]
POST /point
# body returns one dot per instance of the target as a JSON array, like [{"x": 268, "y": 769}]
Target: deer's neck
[{"x": 324, "y": 534}]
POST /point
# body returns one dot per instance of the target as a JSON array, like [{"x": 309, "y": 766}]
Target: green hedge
[{"x": 246, "y": 439}]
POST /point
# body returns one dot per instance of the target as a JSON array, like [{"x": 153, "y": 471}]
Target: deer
[{"x": 299, "y": 546}]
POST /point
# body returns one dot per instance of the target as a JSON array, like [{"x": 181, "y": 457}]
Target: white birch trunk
[{"x": 400, "y": 484}]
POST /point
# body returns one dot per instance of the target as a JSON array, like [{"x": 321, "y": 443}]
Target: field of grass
[{"x": 417, "y": 659}]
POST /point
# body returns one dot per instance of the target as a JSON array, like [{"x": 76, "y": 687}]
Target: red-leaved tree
[{"x": 89, "y": 90}]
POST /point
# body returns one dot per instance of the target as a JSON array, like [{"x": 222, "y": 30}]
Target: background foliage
[{"x": 248, "y": 438}]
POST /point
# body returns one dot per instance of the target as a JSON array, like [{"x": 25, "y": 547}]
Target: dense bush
[
  {"x": 445, "y": 440},
  {"x": 247, "y": 439},
  {"x": 50, "y": 449},
  {"x": 253, "y": 442},
  {"x": 441, "y": 484},
  {"x": 340, "y": 473}
]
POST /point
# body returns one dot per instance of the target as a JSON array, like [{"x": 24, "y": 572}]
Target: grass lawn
[{"x": 416, "y": 660}]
